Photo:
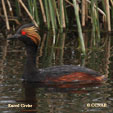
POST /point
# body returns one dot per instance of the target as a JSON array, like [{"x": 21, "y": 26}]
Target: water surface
[{"x": 57, "y": 49}]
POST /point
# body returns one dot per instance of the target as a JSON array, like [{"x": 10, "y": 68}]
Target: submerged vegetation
[{"x": 58, "y": 15}]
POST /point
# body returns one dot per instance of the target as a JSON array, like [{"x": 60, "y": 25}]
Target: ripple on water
[{"x": 52, "y": 99}]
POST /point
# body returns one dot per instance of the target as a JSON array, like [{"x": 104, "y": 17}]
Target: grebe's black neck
[{"x": 30, "y": 66}]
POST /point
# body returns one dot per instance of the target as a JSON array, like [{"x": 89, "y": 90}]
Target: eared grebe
[{"x": 57, "y": 74}]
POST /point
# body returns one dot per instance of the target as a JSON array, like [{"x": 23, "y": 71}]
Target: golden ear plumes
[{"x": 31, "y": 32}]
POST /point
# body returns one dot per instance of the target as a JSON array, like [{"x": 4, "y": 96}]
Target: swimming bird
[{"x": 57, "y": 74}]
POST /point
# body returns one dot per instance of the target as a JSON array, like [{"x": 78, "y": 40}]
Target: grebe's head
[{"x": 28, "y": 34}]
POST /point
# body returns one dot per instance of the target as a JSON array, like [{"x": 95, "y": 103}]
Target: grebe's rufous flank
[{"x": 57, "y": 74}]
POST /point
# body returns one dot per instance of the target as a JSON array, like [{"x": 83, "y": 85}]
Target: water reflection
[
  {"x": 56, "y": 95},
  {"x": 59, "y": 49}
]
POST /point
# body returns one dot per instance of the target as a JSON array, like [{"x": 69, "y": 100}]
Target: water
[{"x": 63, "y": 98}]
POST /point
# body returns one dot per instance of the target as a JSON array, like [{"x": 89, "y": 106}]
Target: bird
[{"x": 29, "y": 35}]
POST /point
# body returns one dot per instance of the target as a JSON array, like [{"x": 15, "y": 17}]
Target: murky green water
[{"x": 56, "y": 50}]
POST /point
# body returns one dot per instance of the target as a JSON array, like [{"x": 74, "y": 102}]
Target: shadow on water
[{"x": 59, "y": 49}]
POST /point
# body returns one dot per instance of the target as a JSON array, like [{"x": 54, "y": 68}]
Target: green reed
[
  {"x": 95, "y": 22},
  {"x": 62, "y": 18},
  {"x": 18, "y": 9},
  {"x": 59, "y": 14},
  {"x": 112, "y": 16},
  {"x": 46, "y": 5},
  {"x": 79, "y": 27},
  {"x": 32, "y": 5},
  {"x": 52, "y": 15}
]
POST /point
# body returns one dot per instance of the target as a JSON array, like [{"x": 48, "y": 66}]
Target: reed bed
[{"x": 61, "y": 14}]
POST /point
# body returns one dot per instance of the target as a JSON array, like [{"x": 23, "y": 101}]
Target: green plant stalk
[
  {"x": 112, "y": 16},
  {"x": 30, "y": 6},
  {"x": 103, "y": 4},
  {"x": 79, "y": 27},
  {"x": 52, "y": 15},
  {"x": 47, "y": 13},
  {"x": 95, "y": 20},
  {"x": 66, "y": 15},
  {"x": 18, "y": 9},
  {"x": 36, "y": 12},
  {"x": 61, "y": 13},
  {"x": 97, "y": 23},
  {"x": 93, "y": 17},
  {"x": 56, "y": 11},
  {"x": 33, "y": 9},
  {"x": 62, "y": 16}
]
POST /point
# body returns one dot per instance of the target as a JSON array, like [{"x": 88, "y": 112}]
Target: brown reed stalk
[
  {"x": 5, "y": 13},
  {"x": 111, "y": 2},
  {"x": 86, "y": 11},
  {"x": 10, "y": 8},
  {"x": 83, "y": 12},
  {"x": 27, "y": 11},
  {"x": 62, "y": 16},
  {"x": 99, "y": 10},
  {"x": 107, "y": 6},
  {"x": 69, "y": 2}
]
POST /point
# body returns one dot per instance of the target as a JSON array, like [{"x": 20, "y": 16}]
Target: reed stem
[
  {"x": 10, "y": 7},
  {"x": 108, "y": 14},
  {"x": 18, "y": 9},
  {"x": 43, "y": 12},
  {"x": 47, "y": 13},
  {"x": 36, "y": 12},
  {"x": 83, "y": 12},
  {"x": 5, "y": 13},
  {"x": 27, "y": 11},
  {"x": 62, "y": 17},
  {"x": 79, "y": 27},
  {"x": 52, "y": 15}
]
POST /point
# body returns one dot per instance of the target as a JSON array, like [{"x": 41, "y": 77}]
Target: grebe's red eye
[{"x": 23, "y": 33}]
